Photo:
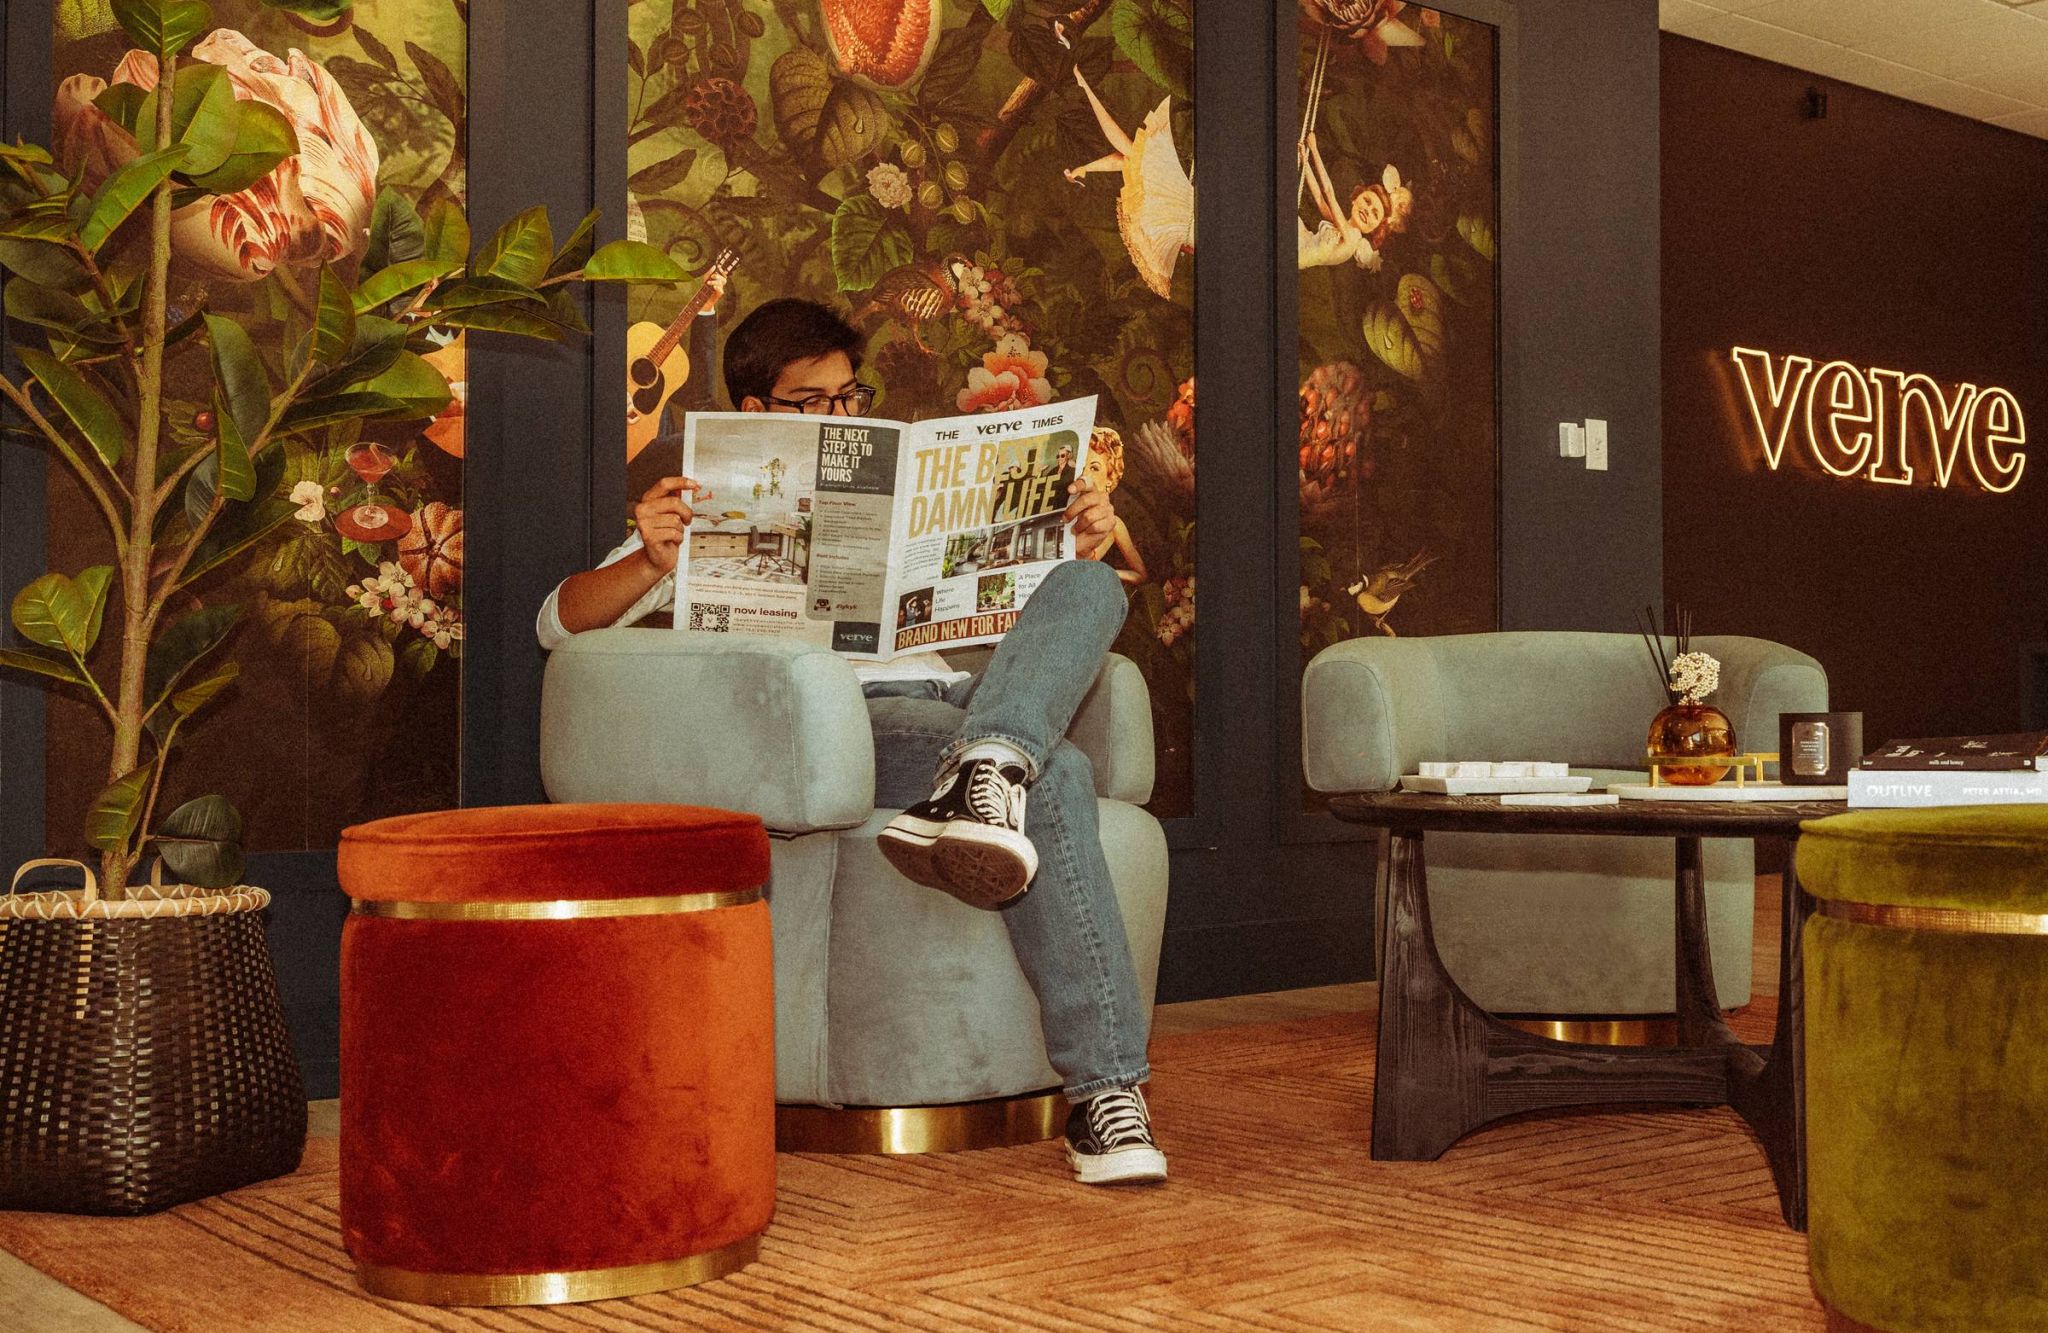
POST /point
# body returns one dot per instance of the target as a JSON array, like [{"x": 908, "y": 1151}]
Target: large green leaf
[
  {"x": 238, "y": 370},
  {"x": 1158, "y": 36},
  {"x": 447, "y": 233},
  {"x": 632, "y": 261},
  {"x": 263, "y": 138},
  {"x": 32, "y": 303},
  {"x": 43, "y": 664},
  {"x": 519, "y": 251},
  {"x": 316, "y": 11},
  {"x": 378, "y": 343},
  {"x": 50, "y": 226},
  {"x": 237, "y": 476},
  {"x": 396, "y": 232},
  {"x": 92, "y": 585},
  {"x": 123, "y": 104},
  {"x": 57, "y": 612},
  {"x": 181, "y": 644},
  {"x": 312, "y": 412},
  {"x": 828, "y": 120},
  {"x": 334, "y": 321},
  {"x": 96, "y": 418},
  {"x": 484, "y": 291},
  {"x": 575, "y": 251},
  {"x": 163, "y": 27},
  {"x": 243, "y": 527},
  {"x": 386, "y": 285},
  {"x": 124, "y": 192},
  {"x": 866, "y": 243},
  {"x": 204, "y": 118},
  {"x": 201, "y": 842},
  {"x": 46, "y": 265},
  {"x": 116, "y": 810},
  {"x": 192, "y": 698},
  {"x": 412, "y": 381},
  {"x": 504, "y": 319}
]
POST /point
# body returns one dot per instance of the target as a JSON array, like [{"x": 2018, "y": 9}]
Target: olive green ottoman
[{"x": 1927, "y": 1067}]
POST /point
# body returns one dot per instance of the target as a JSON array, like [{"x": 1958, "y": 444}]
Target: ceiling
[{"x": 1987, "y": 59}]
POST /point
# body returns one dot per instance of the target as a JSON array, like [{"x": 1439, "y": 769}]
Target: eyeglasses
[{"x": 851, "y": 403}]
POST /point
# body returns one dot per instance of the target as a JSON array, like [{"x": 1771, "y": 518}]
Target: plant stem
[
  {"x": 137, "y": 612},
  {"x": 20, "y": 399},
  {"x": 156, "y": 782}
]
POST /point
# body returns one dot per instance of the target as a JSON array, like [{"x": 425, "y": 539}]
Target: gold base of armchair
[
  {"x": 1631, "y": 1031},
  {"x": 999, "y": 1122}
]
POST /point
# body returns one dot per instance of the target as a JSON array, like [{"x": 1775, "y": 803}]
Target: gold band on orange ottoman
[
  {"x": 591, "y": 1284},
  {"x": 557, "y": 1051}
]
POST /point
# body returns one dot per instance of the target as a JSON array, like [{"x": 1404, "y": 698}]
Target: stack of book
[{"x": 1954, "y": 770}]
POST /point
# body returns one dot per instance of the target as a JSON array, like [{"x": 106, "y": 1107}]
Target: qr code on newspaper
[{"x": 714, "y": 618}]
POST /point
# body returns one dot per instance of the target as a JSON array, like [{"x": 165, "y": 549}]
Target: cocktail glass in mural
[{"x": 370, "y": 519}]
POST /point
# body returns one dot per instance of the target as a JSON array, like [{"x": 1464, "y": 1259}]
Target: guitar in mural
[{"x": 656, "y": 362}]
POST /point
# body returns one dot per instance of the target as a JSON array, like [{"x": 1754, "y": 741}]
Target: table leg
[
  {"x": 1445, "y": 1066},
  {"x": 1429, "y": 1083},
  {"x": 1770, "y": 1093},
  {"x": 1698, "y": 999}
]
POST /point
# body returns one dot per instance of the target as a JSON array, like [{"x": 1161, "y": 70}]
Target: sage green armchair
[
  {"x": 1554, "y": 926},
  {"x": 887, "y": 995}
]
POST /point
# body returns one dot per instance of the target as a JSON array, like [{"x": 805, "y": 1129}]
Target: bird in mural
[
  {"x": 1375, "y": 23},
  {"x": 1377, "y": 593},
  {"x": 915, "y": 294},
  {"x": 1155, "y": 210}
]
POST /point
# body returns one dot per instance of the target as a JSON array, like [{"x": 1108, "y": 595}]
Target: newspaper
[{"x": 876, "y": 538}]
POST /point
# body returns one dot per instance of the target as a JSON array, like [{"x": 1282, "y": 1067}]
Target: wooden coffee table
[{"x": 1446, "y": 1066}]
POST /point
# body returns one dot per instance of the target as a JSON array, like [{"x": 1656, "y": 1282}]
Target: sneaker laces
[
  {"x": 1117, "y": 1119},
  {"x": 992, "y": 797}
]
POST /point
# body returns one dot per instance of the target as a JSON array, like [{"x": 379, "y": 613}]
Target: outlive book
[{"x": 1899, "y": 789}]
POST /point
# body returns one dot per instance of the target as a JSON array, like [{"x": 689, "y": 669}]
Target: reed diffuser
[{"x": 1689, "y": 733}]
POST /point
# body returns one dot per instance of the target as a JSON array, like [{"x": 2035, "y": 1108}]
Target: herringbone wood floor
[{"x": 1276, "y": 1218}]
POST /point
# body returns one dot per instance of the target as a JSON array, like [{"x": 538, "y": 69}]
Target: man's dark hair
[{"x": 774, "y": 335}]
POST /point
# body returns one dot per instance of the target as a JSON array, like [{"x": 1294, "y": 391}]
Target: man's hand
[
  {"x": 663, "y": 516},
  {"x": 1090, "y": 513}
]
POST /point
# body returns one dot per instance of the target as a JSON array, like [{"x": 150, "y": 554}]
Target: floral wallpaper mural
[
  {"x": 351, "y": 624},
  {"x": 1398, "y": 179},
  {"x": 1000, "y": 193}
]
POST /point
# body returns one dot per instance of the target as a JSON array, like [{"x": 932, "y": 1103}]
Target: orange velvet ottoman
[{"x": 557, "y": 1051}]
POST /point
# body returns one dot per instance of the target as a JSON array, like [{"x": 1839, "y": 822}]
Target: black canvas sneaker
[
  {"x": 968, "y": 839},
  {"x": 1109, "y": 1140}
]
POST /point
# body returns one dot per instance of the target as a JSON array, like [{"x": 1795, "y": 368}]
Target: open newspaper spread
[{"x": 875, "y": 538}]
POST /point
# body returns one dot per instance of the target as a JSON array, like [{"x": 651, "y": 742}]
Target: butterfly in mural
[
  {"x": 915, "y": 294},
  {"x": 1155, "y": 211}
]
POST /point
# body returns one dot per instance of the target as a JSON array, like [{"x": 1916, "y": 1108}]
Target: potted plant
[{"x": 88, "y": 299}]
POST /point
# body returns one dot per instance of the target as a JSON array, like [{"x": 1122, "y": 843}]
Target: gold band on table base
[
  {"x": 567, "y": 909},
  {"x": 589, "y": 1284},
  {"x": 1601, "y": 1031},
  {"x": 1000, "y": 1122},
  {"x": 1946, "y": 920}
]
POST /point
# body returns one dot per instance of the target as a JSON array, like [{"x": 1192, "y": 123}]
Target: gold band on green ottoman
[{"x": 1927, "y": 1067}]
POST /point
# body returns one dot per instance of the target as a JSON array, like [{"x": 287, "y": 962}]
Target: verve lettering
[{"x": 1885, "y": 426}]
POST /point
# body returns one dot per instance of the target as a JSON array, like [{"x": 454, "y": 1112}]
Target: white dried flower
[
  {"x": 1694, "y": 676},
  {"x": 890, "y": 185}
]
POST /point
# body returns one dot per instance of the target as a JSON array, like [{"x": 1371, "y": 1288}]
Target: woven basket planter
[{"x": 144, "y": 1060}]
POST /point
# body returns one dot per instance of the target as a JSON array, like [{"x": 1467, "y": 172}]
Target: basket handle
[{"x": 92, "y": 881}]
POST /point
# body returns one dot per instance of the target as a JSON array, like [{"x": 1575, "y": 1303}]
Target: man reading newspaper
[{"x": 965, "y": 754}]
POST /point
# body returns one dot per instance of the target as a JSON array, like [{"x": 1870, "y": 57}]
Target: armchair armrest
[
  {"x": 1113, "y": 725},
  {"x": 1370, "y": 708},
  {"x": 1761, "y": 679},
  {"x": 704, "y": 719}
]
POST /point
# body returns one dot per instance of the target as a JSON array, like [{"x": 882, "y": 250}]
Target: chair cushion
[
  {"x": 1974, "y": 858},
  {"x": 544, "y": 853}
]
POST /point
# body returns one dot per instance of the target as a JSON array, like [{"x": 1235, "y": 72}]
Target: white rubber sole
[
  {"x": 981, "y": 866},
  {"x": 1126, "y": 1166}
]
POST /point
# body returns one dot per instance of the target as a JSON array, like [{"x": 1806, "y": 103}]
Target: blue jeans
[{"x": 1067, "y": 930}]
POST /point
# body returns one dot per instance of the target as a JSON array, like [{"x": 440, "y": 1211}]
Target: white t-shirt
[{"x": 662, "y": 597}]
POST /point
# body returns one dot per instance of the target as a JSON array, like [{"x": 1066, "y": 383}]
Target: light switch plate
[
  {"x": 1571, "y": 440},
  {"x": 1596, "y": 445}
]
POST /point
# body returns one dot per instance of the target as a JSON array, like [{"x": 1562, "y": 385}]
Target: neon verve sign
[{"x": 1883, "y": 425}]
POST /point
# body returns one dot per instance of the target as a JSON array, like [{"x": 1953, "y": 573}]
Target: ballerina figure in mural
[
  {"x": 1155, "y": 211},
  {"x": 1356, "y": 233}
]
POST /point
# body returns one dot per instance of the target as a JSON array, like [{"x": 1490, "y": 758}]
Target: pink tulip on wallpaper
[{"x": 313, "y": 209}]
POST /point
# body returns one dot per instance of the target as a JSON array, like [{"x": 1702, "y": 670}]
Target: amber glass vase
[{"x": 1692, "y": 731}]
